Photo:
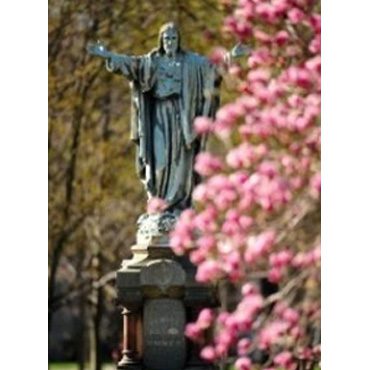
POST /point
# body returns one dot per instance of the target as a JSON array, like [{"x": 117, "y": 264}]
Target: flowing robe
[{"x": 164, "y": 106}]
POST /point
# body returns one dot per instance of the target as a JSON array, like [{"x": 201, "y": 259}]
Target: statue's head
[{"x": 169, "y": 39}]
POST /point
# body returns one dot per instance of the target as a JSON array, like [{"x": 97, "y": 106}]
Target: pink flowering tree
[{"x": 256, "y": 216}]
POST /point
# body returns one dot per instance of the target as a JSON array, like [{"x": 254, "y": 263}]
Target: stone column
[{"x": 130, "y": 355}]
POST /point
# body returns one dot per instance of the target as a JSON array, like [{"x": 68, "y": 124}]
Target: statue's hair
[{"x": 162, "y": 30}]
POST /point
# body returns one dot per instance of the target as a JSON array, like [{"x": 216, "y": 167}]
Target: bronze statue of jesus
[{"x": 170, "y": 87}]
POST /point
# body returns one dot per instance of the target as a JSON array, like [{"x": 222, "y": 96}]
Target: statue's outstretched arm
[
  {"x": 114, "y": 62},
  {"x": 99, "y": 49},
  {"x": 239, "y": 50}
]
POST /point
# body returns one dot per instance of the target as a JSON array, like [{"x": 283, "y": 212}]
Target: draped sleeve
[
  {"x": 129, "y": 66},
  {"x": 140, "y": 70}
]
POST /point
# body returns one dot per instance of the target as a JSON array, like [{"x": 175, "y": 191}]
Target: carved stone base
[
  {"x": 160, "y": 296},
  {"x": 154, "y": 228}
]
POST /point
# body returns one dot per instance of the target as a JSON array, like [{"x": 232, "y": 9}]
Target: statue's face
[{"x": 170, "y": 40}]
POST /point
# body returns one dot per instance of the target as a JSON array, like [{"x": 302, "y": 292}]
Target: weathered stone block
[{"x": 163, "y": 334}]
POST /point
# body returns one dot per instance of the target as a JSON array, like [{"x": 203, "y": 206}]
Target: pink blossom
[
  {"x": 219, "y": 182},
  {"x": 224, "y": 199},
  {"x": 206, "y": 220},
  {"x": 226, "y": 337},
  {"x": 281, "y": 259},
  {"x": 296, "y": 15},
  {"x": 315, "y": 21},
  {"x": 230, "y": 227},
  {"x": 314, "y": 64},
  {"x": 280, "y": 307},
  {"x": 235, "y": 70},
  {"x": 206, "y": 242},
  {"x": 200, "y": 193},
  {"x": 245, "y": 10},
  {"x": 241, "y": 156},
  {"x": 313, "y": 99},
  {"x": 198, "y": 256},
  {"x": 230, "y": 112},
  {"x": 301, "y": 259},
  {"x": 187, "y": 216},
  {"x": 208, "y": 271},
  {"x": 270, "y": 334},
  {"x": 249, "y": 289},
  {"x": 295, "y": 101},
  {"x": 232, "y": 264},
  {"x": 262, "y": 36},
  {"x": 290, "y": 315},
  {"x": 238, "y": 178},
  {"x": 268, "y": 169},
  {"x": 261, "y": 150},
  {"x": 260, "y": 74},
  {"x": 315, "y": 184},
  {"x": 205, "y": 318},
  {"x": 243, "y": 29},
  {"x": 260, "y": 57},
  {"x": 296, "y": 332},
  {"x": 282, "y": 37},
  {"x": 203, "y": 125},
  {"x": 316, "y": 254},
  {"x": 246, "y": 154},
  {"x": 156, "y": 205},
  {"x": 270, "y": 13},
  {"x": 315, "y": 45},
  {"x": 262, "y": 92},
  {"x": 299, "y": 76},
  {"x": 305, "y": 353},
  {"x": 258, "y": 245},
  {"x": 292, "y": 51},
  {"x": 193, "y": 331},
  {"x": 178, "y": 244},
  {"x": 243, "y": 346},
  {"x": 181, "y": 238},
  {"x": 206, "y": 164},
  {"x": 230, "y": 24},
  {"x": 208, "y": 353},
  {"x": 251, "y": 304},
  {"x": 225, "y": 246},
  {"x": 218, "y": 55},
  {"x": 221, "y": 349},
  {"x": 283, "y": 359},
  {"x": 275, "y": 275},
  {"x": 249, "y": 102},
  {"x": 246, "y": 200},
  {"x": 222, "y": 317},
  {"x": 245, "y": 222},
  {"x": 243, "y": 363},
  {"x": 232, "y": 259},
  {"x": 280, "y": 6}
]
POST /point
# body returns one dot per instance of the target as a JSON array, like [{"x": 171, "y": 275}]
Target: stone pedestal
[{"x": 159, "y": 295}]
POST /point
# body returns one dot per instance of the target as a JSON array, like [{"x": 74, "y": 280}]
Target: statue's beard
[{"x": 170, "y": 51}]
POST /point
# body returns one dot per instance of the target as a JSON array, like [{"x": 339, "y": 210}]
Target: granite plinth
[{"x": 160, "y": 295}]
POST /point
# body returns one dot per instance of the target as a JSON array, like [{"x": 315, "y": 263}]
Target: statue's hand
[
  {"x": 98, "y": 49},
  {"x": 240, "y": 50}
]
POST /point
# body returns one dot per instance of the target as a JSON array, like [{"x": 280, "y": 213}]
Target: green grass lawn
[{"x": 73, "y": 366}]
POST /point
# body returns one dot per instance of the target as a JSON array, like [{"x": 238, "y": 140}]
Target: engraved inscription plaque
[{"x": 164, "y": 340}]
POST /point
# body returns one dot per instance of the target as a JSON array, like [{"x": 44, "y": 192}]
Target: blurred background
[{"x": 95, "y": 196}]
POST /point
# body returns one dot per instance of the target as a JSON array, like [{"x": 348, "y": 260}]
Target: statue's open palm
[{"x": 98, "y": 49}]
